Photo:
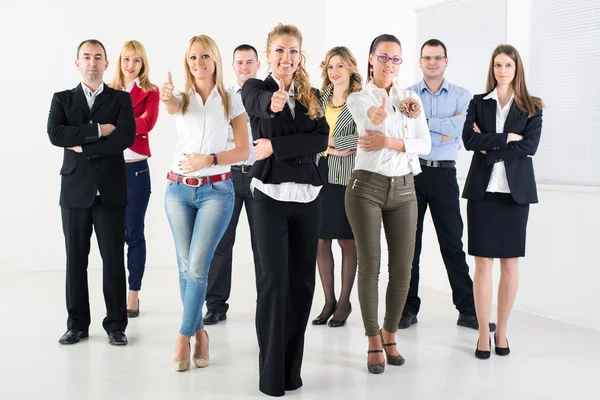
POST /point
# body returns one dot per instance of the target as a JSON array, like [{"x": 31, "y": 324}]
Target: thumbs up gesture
[
  {"x": 378, "y": 114},
  {"x": 166, "y": 90},
  {"x": 278, "y": 99}
]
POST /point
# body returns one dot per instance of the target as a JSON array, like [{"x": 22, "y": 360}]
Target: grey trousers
[{"x": 370, "y": 199}]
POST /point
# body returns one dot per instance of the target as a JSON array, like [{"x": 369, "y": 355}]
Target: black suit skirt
[{"x": 497, "y": 226}]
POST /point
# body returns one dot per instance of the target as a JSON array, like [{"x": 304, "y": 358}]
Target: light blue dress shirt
[{"x": 441, "y": 109}]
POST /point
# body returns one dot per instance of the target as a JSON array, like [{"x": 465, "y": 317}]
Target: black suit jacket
[
  {"x": 519, "y": 167},
  {"x": 100, "y": 167},
  {"x": 296, "y": 141}
]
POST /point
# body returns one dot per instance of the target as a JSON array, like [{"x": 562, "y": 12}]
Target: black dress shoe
[
  {"x": 117, "y": 338},
  {"x": 334, "y": 323},
  {"x": 323, "y": 318},
  {"x": 72, "y": 336},
  {"x": 134, "y": 313},
  {"x": 501, "y": 351},
  {"x": 482, "y": 354},
  {"x": 212, "y": 318},
  {"x": 470, "y": 321},
  {"x": 407, "y": 320}
]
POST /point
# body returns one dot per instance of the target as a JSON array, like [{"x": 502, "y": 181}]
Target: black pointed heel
[
  {"x": 501, "y": 351},
  {"x": 482, "y": 354},
  {"x": 334, "y": 323}
]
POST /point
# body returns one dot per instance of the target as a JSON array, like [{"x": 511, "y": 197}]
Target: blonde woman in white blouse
[
  {"x": 381, "y": 188},
  {"x": 199, "y": 197}
]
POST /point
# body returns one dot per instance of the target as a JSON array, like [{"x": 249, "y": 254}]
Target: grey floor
[{"x": 549, "y": 360}]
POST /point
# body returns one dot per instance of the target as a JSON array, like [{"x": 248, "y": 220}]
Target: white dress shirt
[
  {"x": 128, "y": 154},
  {"x": 498, "y": 181},
  {"x": 90, "y": 97},
  {"x": 414, "y": 131},
  {"x": 237, "y": 92},
  {"x": 204, "y": 130},
  {"x": 288, "y": 191}
]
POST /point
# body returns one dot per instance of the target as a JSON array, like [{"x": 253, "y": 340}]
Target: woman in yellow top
[{"x": 340, "y": 79}]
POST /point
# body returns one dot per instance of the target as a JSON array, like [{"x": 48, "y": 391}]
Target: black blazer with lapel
[
  {"x": 100, "y": 167},
  {"x": 296, "y": 141},
  {"x": 519, "y": 167}
]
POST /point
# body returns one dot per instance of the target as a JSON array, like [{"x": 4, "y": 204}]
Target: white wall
[{"x": 557, "y": 276}]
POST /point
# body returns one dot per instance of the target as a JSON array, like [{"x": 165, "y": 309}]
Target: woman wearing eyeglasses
[{"x": 393, "y": 132}]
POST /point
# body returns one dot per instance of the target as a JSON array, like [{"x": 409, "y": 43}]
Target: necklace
[{"x": 335, "y": 106}]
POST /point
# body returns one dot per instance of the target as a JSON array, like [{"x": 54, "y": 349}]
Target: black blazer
[
  {"x": 519, "y": 167},
  {"x": 296, "y": 141},
  {"x": 101, "y": 166}
]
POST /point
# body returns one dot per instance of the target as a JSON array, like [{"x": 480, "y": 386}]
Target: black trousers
[
  {"x": 438, "y": 189},
  {"x": 109, "y": 224},
  {"x": 219, "y": 275},
  {"x": 287, "y": 236}
]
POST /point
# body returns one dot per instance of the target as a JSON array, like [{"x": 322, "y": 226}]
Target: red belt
[{"x": 195, "y": 182}]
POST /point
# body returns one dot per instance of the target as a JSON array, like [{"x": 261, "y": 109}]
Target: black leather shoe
[
  {"x": 470, "y": 321},
  {"x": 117, "y": 338},
  {"x": 72, "y": 336},
  {"x": 134, "y": 313},
  {"x": 407, "y": 320},
  {"x": 334, "y": 323},
  {"x": 482, "y": 354},
  {"x": 323, "y": 318},
  {"x": 501, "y": 351},
  {"x": 212, "y": 318}
]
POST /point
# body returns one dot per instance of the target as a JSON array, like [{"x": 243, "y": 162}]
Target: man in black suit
[{"x": 94, "y": 124}]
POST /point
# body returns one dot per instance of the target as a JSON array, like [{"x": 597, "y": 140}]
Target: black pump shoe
[
  {"x": 482, "y": 354},
  {"x": 334, "y": 323},
  {"x": 322, "y": 319},
  {"x": 501, "y": 351}
]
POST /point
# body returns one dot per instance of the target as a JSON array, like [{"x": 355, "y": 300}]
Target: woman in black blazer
[
  {"x": 503, "y": 128},
  {"x": 289, "y": 131},
  {"x": 340, "y": 79}
]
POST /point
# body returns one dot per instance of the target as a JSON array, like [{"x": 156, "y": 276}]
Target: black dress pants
[
  {"x": 109, "y": 223},
  {"x": 287, "y": 235},
  {"x": 438, "y": 189}
]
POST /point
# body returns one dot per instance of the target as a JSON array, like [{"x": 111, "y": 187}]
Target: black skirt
[
  {"x": 497, "y": 226},
  {"x": 334, "y": 224}
]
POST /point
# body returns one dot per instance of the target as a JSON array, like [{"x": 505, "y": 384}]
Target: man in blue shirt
[{"x": 445, "y": 107}]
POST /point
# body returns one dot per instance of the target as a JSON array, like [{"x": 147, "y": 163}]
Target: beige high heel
[
  {"x": 182, "y": 364},
  {"x": 202, "y": 361}
]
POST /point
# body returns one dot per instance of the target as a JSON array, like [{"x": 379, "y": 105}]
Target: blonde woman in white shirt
[
  {"x": 199, "y": 197},
  {"x": 393, "y": 132}
]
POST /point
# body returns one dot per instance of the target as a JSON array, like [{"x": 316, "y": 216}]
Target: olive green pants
[{"x": 370, "y": 199}]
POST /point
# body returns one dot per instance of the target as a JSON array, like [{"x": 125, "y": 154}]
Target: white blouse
[
  {"x": 204, "y": 129},
  {"x": 414, "y": 131},
  {"x": 498, "y": 181}
]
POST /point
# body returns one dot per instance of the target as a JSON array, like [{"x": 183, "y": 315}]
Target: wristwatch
[{"x": 215, "y": 161}]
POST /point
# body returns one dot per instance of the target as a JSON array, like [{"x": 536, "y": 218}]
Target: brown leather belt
[{"x": 196, "y": 182}]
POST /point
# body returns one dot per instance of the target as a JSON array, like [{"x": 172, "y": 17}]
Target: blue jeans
[
  {"x": 138, "y": 195},
  {"x": 198, "y": 218}
]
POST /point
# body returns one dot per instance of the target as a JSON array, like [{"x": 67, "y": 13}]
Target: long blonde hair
[
  {"x": 349, "y": 61},
  {"x": 304, "y": 92},
  {"x": 213, "y": 52},
  {"x": 138, "y": 50},
  {"x": 523, "y": 100}
]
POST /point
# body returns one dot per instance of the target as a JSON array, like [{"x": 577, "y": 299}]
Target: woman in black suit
[
  {"x": 289, "y": 131},
  {"x": 503, "y": 128}
]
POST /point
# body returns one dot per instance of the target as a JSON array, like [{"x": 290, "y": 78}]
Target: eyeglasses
[
  {"x": 436, "y": 58},
  {"x": 384, "y": 59}
]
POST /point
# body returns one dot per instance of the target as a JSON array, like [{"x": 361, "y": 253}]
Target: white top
[
  {"x": 498, "y": 181},
  {"x": 413, "y": 131},
  {"x": 128, "y": 154},
  {"x": 237, "y": 92},
  {"x": 204, "y": 129},
  {"x": 288, "y": 191}
]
